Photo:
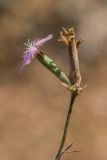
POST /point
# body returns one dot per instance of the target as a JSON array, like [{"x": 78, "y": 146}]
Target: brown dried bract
[{"x": 67, "y": 35}]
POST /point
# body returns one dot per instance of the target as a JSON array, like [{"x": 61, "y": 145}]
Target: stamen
[
  {"x": 28, "y": 41},
  {"x": 31, "y": 44},
  {"x": 27, "y": 44}
]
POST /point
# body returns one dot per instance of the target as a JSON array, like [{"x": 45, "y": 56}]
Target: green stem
[{"x": 73, "y": 96}]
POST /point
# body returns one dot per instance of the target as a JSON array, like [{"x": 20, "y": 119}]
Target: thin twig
[{"x": 65, "y": 150}]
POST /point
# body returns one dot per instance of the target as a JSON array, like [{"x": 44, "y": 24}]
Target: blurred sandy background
[{"x": 33, "y": 104}]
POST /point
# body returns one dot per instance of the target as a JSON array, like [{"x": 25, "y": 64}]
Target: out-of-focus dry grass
[{"x": 33, "y": 104}]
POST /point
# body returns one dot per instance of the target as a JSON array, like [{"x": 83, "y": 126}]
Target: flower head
[{"x": 32, "y": 48}]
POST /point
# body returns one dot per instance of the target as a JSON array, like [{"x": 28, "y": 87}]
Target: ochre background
[{"x": 33, "y": 103}]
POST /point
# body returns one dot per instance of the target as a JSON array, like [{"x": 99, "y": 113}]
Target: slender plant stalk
[
  {"x": 72, "y": 83},
  {"x": 73, "y": 96}
]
